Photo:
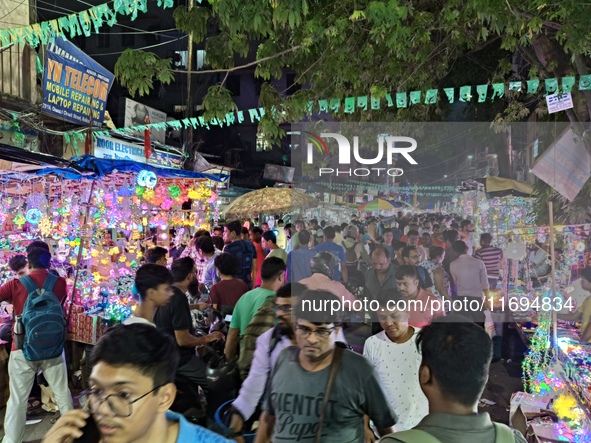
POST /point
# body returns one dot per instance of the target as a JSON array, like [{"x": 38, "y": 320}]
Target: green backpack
[
  {"x": 262, "y": 321},
  {"x": 504, "y": 434}
]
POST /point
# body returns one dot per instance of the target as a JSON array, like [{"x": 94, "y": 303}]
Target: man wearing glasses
[
  {"x": 297, "y": 385},
  {"x": 268, "y": 347},
  {"x": 131, "y": 389}
]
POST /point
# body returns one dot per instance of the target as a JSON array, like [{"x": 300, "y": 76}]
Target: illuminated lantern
[
  {"x": 174, "y": 191},
  {"x": 147, "y": 179}
]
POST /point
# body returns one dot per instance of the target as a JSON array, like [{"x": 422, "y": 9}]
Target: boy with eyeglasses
[
  {"x": 297, "y": 385},
  {"x": 131, "y": 389}
]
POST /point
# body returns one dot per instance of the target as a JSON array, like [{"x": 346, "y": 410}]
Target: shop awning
[
  {"x": 18, "y": 161},
  {"x": 102, "y": 167},
  {"x": 499, "y": 184}
]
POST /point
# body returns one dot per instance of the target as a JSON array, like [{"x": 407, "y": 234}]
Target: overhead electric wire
[
  {"x": 71, "y": 11},
  {"x": 143, "y": 47},
  {"x": 15, "y": 8}
]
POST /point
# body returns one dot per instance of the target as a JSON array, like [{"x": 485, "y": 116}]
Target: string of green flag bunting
[
  {"x": 77, "y": 24},
  {"x": 81, "y": 23},
  {"x": 349, "y": 105},
  {"x": 423, "y": 191}
]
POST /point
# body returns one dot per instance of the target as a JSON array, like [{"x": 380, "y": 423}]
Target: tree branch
[
  {"x": 224, "y": 80},
  {"x": 546, "y": 23},
  {"x": 483, "y": 45},
  {"x": 583, "y": 70},
  {"x": 551, "y": 25},
  {"x": 318, "y": 60},
  {"x": 248, "y": 65}
]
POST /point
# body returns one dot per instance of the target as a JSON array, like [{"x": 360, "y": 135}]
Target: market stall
[
  {"x": 556, "y": 404},
  {"x": 495, "y": 214},
  {"x": 99, "y": 216}
]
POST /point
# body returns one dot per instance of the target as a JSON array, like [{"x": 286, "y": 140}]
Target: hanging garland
[
  {"x": 77, "y": 24},
  {"x": 351, "y": 104}
]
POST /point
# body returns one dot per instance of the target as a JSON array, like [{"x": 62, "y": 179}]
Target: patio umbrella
[
  {"x": 401, "y": 204},
  {"x": 270, "y": 200},
  {"x": 377, "y": 204}
]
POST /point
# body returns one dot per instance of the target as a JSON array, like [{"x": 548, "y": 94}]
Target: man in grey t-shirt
[{"x": 297, "y": 384}]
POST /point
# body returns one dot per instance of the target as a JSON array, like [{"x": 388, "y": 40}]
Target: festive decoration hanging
[
  {"x": 77, "y": 24},
  {"x": 352, "y": 104}
]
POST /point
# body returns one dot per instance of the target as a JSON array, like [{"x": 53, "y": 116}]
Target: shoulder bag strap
[
  {"x": 332, "y": 375},
  {"x": 274, "y": 341},
  {"x": 503, "y": 433},
  {"x": 50, "y": 281},
  {"x": 411, "y": 436},
  {"x": 28, "y": 283}
]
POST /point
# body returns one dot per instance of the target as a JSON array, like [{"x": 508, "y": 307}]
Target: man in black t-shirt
[{"x": 175, "y": 320}]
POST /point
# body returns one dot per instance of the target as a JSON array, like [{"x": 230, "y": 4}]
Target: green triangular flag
[
  {"x": 482, "y": 91},
  {"x": 389, "y": 100},
  {"x": 465, "y": 93},
  {"x": 39, "y": 65},
  {"x": 230, "y": 118},
  {"x": 401, "y": 99},
  {"x": 515, "y": 86},
  {"x": 567, "y": 84},
  {"x": 349, "y": 105},
  {"x": 335, "y": 104},
  {"x": 254, "y": 115},
  {"x": 551, "y": 85},
  {"x": 585, "y": 82},
  {"x": 533, "y": 85},
  {"x": 376, "y": 103},
  {"x": 450, "y": 92},
  {"x": 362, "y": 102},
  {"x": 431, "y": 96},
  {"x": 498, "y": 90},
  {"x": 323, "y": 105},
  {"x": 415, "y": 97}
]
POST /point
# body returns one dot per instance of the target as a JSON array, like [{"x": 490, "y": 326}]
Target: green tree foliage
[
  {"x": 359, "y": 47},
  {"x": 137, "y": 70}
]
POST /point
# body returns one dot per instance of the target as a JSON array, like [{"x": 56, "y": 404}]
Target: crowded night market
[{"x": 295, "y": 221}]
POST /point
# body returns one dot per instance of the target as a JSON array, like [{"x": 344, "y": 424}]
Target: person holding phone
[{"x": 131, "y": 389}]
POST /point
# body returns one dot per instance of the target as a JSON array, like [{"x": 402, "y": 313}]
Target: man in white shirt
[
  {"x": 154, "y": 286},
  {"x": 393, "y": 353}
]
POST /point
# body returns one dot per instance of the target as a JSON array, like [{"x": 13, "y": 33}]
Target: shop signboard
[
  {"x": 75, "y": 87},
  {"x": 115, "y": 149}
]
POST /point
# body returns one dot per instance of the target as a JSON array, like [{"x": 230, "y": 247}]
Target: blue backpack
[{"x": 43, "y": 319}]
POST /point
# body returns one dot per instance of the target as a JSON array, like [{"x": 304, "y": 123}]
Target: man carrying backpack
[
  {"x": 265, "y": 340},
  {"x": 456, "y": 358},
  {"x": 37, "y": 300}
]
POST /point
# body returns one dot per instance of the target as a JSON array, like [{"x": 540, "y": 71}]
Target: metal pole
[
  {"x": 189, "y": 110},
  {"x": 553, "y": 273},
  {"x": 80, "y": 249}
]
